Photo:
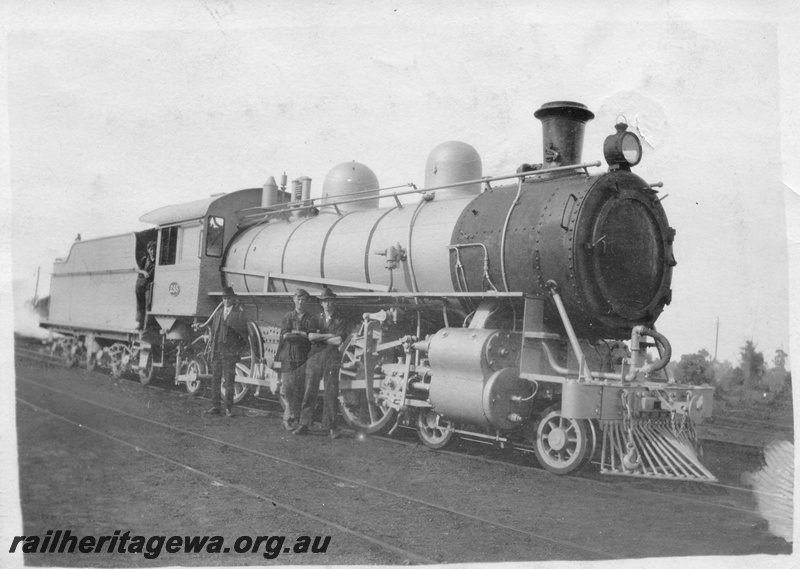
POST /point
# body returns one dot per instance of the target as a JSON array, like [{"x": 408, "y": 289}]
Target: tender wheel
[
  {"x": 120, "y": 356},
  {"x": 198, "y": 367},
  {"x": 433, "y": 431},
  {"x": 368, "y": 414},
  {"x": 91, "y": 362},
  {"x": 68, "y": 349},
  {"x": 562, "y": 445},
  {"x": 72, "y": 360},
  {"x": 146, "y": 373},
  {"x": 74, "y": 354}
]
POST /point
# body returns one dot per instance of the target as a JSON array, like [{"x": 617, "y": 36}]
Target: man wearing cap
[
  {"x": 228, "y": 338},
  {"x": 293, "y": 350},
  {"x": 323, "y": 362},
  {"x": 146, "y": 269}
]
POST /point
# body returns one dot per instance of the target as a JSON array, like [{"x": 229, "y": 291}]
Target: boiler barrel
[{"x": 343, "y": 250}]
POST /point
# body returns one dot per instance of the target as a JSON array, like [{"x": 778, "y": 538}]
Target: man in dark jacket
[
  {"x": 146, "y": 269},
  {"x": 323, "y": 363},
  {"x": 228, "y": 339}
]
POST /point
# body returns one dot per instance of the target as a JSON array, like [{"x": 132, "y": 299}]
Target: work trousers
[
  {"x": 321, "y": 366},
  {"x": 223, "y": 366},
  {"x": 141, "y": 300},
  {"x": 293, "y": 383}
]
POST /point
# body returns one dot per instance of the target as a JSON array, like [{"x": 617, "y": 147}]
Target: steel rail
[
  {"x": 606, "y": 481},
  {"x": 359, "y": 483},
  {"x": 244, "y": 489},
  {"x": 613, "y": 482},
  {"x": 57, "y": 360}
]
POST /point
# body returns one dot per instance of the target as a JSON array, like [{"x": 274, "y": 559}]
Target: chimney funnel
[{"x": 563, "y": 124}]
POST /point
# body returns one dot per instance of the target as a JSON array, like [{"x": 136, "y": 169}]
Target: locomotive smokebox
[{"x": 563, "y": 124}]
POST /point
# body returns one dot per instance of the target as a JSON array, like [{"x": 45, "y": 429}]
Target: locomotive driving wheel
[
  {"x": 562, "y": 445},
  {"x": 240, "y": 390},
  {"x": 363, "y": 408},
  {"x": 434, "y": 431}
]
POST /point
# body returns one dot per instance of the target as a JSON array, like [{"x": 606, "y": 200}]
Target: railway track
[
  {"x": 750, "y": 435},
  {"x": 384, "y": 495},
  {"x": 406, "y": 554},
  {"x": 476, "y": 449},
  {"x": 126, "y": 422},
  {"x": 712, "y": 497}
]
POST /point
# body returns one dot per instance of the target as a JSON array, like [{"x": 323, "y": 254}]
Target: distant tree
[
  {"x": 723, "y": 375},
  {"x": 752, "y": 365},
  {"x": 737, "y": 376},
  {"x": 779, "y": 361},
  {"x": 776, "y": 379},
  {"x": 787, "y": 388},
  {"x": 696, "y": 369}
]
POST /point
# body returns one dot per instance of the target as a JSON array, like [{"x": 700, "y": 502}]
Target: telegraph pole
[
  {"x": 716, "y": 341},
  {"x": 36, "y": 290}
]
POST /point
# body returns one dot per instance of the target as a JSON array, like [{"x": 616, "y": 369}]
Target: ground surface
[{"x": 98, "y": 455}]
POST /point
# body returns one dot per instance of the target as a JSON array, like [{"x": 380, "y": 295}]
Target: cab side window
[
  {"x": 215, "y": 233},
  {"x": 190, "y": 243},
  {"x": 169, "y": 246}
]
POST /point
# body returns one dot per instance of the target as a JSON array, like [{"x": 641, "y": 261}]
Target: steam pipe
[
  {"x": 503, "y": 235},
  {"x": 486, "y": 276},
  {"x": 573, "y": 339},
  {"x": 664, "y": 344}
]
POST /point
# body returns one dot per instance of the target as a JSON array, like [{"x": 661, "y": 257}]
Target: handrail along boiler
[{"x": 514, "y": 309}]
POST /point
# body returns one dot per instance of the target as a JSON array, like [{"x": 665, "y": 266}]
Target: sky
[
  {"x": 112, "y": 117},
  {"x": 117, "y": 110}
]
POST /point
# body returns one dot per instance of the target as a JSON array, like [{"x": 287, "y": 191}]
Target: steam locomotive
[{"x": 515, "y": 309}]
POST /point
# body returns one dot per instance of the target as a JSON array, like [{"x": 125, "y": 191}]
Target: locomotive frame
[{"x": 520, "y": 341}]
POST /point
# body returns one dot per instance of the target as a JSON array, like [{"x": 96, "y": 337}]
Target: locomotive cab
[{"x": 192, "y": 239}]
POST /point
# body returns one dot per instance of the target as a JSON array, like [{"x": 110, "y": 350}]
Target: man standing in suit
[{"x": 228, "y": 339}]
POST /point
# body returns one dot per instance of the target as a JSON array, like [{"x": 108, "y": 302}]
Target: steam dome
[
  {"x": 349, "y": 178},
  {"x": 453, "y": 162}
]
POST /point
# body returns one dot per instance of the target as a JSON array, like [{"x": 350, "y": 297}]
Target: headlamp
[{"x": 623, "y": 149}]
